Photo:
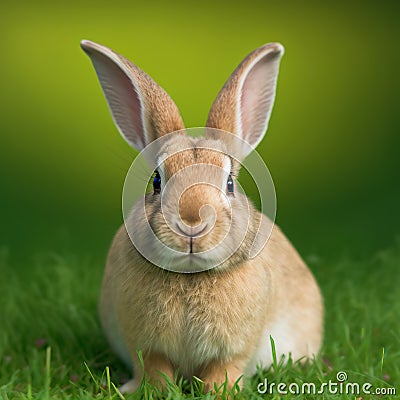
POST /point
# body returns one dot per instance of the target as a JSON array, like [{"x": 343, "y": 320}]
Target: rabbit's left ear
[{"x": 244, "y": 104}]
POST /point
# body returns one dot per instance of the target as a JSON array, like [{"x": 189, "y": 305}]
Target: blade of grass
[
  {"x": 120, "y": 395},
  {"x": 108, "y": 382},
  {"x": 91, "y": 375},
  {"x": 273, "y": 350},
  {"x": 47, "y": 381}
]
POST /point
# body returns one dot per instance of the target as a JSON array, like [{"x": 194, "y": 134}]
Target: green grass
[{"x": 51, "y": 345}]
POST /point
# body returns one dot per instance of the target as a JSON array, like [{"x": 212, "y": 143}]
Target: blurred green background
[{"x": 332, "y": 146}]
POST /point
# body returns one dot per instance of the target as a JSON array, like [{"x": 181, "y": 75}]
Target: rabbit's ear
[
  {"x": 141, "y": 109},
  {"x": 244, "y": 104}
]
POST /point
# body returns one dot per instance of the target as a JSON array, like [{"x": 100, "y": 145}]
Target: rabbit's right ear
[{"x": 141, "y": 109}]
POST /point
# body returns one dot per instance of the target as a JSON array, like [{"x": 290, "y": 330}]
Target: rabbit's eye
[
  {"x": 229, "y": 184},
  {"x": 157, "y": 183}
]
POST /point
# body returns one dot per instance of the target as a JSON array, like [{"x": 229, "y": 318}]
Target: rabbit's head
[{"x": 196, "y": 218}]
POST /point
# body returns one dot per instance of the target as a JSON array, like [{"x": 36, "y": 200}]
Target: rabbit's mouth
[
  {"x": 197, "y": 253},
  {"x": 196, "y": 243},
  {"x": 192, "y": 246}
]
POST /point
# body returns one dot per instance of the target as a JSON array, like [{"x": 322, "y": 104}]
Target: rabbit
[{"x": 215, "y": 323}]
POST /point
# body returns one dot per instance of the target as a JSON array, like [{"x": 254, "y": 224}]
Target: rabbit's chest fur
[{"x": 195, "y": 318}]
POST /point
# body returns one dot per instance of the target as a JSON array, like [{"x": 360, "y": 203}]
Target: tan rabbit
[{"x": 216, "y": 322}]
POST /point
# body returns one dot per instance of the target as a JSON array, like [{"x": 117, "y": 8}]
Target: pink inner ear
[
  {"x": 256, "y": 100},
  {"x": 123, "y": 100}
]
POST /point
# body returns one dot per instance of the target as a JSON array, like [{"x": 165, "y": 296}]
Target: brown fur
[
  {"x": 214, "y": 323},
  {"x": 202, "y": 323}
]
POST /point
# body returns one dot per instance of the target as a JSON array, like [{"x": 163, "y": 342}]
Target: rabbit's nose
[{"x": 192, "y": 231}]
